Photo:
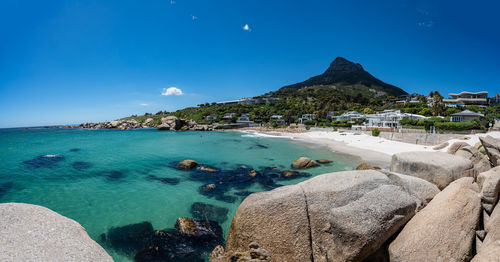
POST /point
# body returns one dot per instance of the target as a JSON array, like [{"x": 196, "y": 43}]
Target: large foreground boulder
[
  {"x": 445, "y": 229},
  {"x": 343, "y": 216},
  {"x": 35, "y": 233},
  {"x": 490, "y": 249},
  {"x": 489, "y": 182},
  {"x": 438, "y": 168},
  {"x": 492, "y": 147}
]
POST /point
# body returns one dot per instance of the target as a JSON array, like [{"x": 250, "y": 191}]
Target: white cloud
[
  {"x": 144, "y": 104},
  {"x": 172, "y": 2},
  {"x": 246, "y": 27},
  {"x": 172, "y": 91},
  {"x": 194, "y": 17}
]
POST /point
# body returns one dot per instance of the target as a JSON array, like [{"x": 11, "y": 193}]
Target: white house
[
  {"x": 211, "y": 117},
  {"x": 307, "y": 117},
  {"x": 390, "y": 118},
  {"x": 350, "y": 116},
  {"x": 465, "y": 116},
  {"x": 244, "y": 118}
]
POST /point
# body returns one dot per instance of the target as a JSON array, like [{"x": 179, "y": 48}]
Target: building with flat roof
[{"x": 467, "y": 98}]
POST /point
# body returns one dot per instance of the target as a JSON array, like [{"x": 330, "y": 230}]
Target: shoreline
[{"x": 375, "y": 151}]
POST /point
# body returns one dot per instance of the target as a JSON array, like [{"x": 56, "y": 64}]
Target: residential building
[
  {"x": 467, "y": 98},
  {"x": 331, "y": 114},
  {"x": 350, "y": 116},
  {"x": 307, "y": 117},
  {"x": 211, "y": 117},
  {"x": 494, "y": 100},
  {"x": 389, "y": 118},
  {"x": 228, "y": 116},
  {"x": 278, "y": 119},
  {"x": 244, "y": 118},
  {"x": 465, "y": 116}
]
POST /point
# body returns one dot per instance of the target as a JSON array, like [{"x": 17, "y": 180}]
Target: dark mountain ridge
[{"x": 343, "y": 72}]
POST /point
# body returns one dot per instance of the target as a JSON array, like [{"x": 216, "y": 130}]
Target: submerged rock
[
  {"x": 80, "y": 165},
  {"x": 303, "y": 163},
  {"x": 114, "y": 175},
  {"x": 187, "y": 164},
  {"x": 204, "y": 211},
  {"x": 74, "y": 149},
  {"x": 45, "y": 161},
  {"x": 323, "y": 161},
  {"x": 164, "y": 180},
  {"x": 5, "y": 188},
  {"x": 35, "y": 233},
  {"x": 192, "y": 240},
  {"x": 130, "y": 238}
]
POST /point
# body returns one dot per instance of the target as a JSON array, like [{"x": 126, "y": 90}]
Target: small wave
[
  {"x": 50, "y": 156},
  {"x": 247, "y": 134}
]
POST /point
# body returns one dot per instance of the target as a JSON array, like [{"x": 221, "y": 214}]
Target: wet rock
[
  {"x": 252, "y": 173},
  {"x": 130, "y": 238},
  {"x": 208, "y": 188},
  {"x": 80, "y": 165},
  {"x": 303, "y": 163},
  {"x": 204, "y": 211},
  {"x": 45, "y": 161},
  {"x": 164, "y": 180},
  {"x": 323, "y": 161},
  {"x": 163, "y": 127},
  {"x": 187, "y": 164}
]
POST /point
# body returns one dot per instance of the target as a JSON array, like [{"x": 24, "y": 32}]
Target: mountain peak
[
  {"x": 344, "y": 72},
  {"x": 342, "y": 64}
]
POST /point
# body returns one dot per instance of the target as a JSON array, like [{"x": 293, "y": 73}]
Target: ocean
[{"x": 107, "y": 179}]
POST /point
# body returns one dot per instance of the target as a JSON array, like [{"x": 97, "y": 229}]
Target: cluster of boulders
[
  {"x": 399, "y": 214},
  {"x": 166, "y": 123}
]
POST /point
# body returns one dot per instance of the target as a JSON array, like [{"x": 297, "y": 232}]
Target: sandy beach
[{"x": 373, "y": 150}]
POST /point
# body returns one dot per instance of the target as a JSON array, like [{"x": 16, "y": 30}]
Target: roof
[
  {"x": 467, "y": 113},
  {"x": 470, "y": 93}
]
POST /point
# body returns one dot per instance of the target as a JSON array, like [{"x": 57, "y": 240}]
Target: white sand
[{"x": 374, "y": 150}]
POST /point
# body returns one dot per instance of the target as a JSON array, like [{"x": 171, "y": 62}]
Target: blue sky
[{"x": 77, "y": 61}]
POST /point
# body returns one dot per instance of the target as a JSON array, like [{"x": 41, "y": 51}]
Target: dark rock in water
[
  {"x": 244, "y": 193},
  {"x": 74, "y": 149},
  {"x": 258, "y": 146},
  {"x": 131, "y": 238},
  {"x": 192, "y": 240},
  {"x": 48, "y": 161},
  {"x": 5, "y": 188},
  {"x": 204, "y": 211},
  {"x": 164, "y": 180},
  {"x": 206, "y": 169},
  {"x": 114, "y": 175},
  {"x": 227, "y": 199},
  {"x": 80, "y": 165},
  {"x": 208, "y": 188},
  {"x": 323, "y": 161}
]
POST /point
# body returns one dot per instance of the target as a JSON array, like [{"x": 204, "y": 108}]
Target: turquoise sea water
[{"x": 111, "y": 178}]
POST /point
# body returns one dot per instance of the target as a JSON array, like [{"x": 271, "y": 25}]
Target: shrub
[
  {"x": 335, "y": 129},
  {"x": 308, "y": 127},
  {"x": 375, "y": 132}
]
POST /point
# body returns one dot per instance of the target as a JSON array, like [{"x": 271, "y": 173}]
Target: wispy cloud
[
  {"x": 172, "y": 91},
  {"x": 144, "y": 104},
  {"x": 246, "y": 27},
  {"x": 172, "y": 2},
  {"x": 193, "y": 17},
  {"x": 429, "y": 23}
]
